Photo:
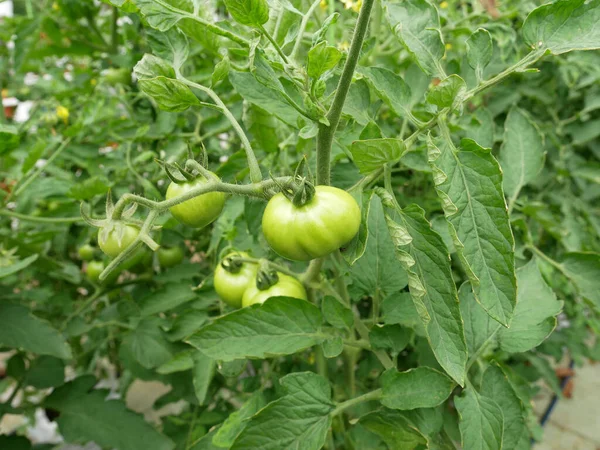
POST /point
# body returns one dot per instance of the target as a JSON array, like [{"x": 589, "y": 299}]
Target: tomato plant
[{"x": 416, "y": 181}]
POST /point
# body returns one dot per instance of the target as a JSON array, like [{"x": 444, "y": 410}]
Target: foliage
[{"x": 467, "y": 133}]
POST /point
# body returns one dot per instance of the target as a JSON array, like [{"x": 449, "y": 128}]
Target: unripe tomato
[
  {"x": 93, "y": 270},
  {"x": 85, "y": 252},
  {"x": 322, "y": 225},
  {"x": 231, "y": 286},
  {"x": 118, "y": 237},
  {"x": 169, "y": 257},
  {"x": 198, "y": 211},
  {"x": 286, "y": 287},
  {"x": 117, "y": 76}
]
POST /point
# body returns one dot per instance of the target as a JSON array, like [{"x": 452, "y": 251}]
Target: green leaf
[
  {"x": 378, "y": 270},
  {"x": 563, "y": 26},
  {"x": 86, "y": 415},
  {"x": 249, "y": 12},
  {"x": 280, "y": 326},
  {"x": 372, "y": 154},
  {"x": 480, "y": 328},
  {"x": 424, "y": 256},
  {"x": 393, "y": 337},
  {"x": 186, "y": 324},
  {"x": 337, "y": 314},
  {"x": 417, "y": 25},
  {"x": 46, "y": 372},
  {"x": 171, "y": 46},
  {"x": 88, "y": 189},
  {"x": 496, "y": 387},
  {"x": 535, "y": 314},
  {"x": 14, "y": 442},
  {"x": 583, "y": 268},
  {"x": 479, "y": 50},
  {"x": 542, "y": 365},
  {"x": 391, "y": 88},
  {"x": 237, "y": 421},
  {"x": 333, "y": 347},
  {"x": 399, "y": 309},
  {"x": 355, "y": 249},
  {"x": 204, "y": 369},
  {"x": 9, "y": 138},
  {"x": 147, "y": 344},
  {"x": 522, "y": 154},
  {"x": 448, "y": 93},
  {"x": 260, "y": 95},
  {"x": 181, "y": 362},
  {"x": 166, "y": 298},
  {"x": 481, "y": 421},
  {"x": 322, "y": 58},
  {"x": 161, "y": 14},
  {"x": 156, "y": 78},
  {"x": 469, "y": 184},
  {"x": 394, "y": 429},
  {"x": 17, "y": 266},
  {"x": 299, "y": 419},
  {"x": 422, "y": 387},
  {"x": 20, "y": 329}
]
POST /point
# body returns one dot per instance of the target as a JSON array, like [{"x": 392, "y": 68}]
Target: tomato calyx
[
  {"x": 266, "y": 276},
  {"x": 232, "y": 264}
]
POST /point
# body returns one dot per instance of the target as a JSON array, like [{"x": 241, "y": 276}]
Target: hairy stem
[{"x": 373, "y": 395}]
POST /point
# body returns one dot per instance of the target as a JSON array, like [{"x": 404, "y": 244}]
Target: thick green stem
[
  {"x": 369, "y": 396},
  {"x": 326, "y": 132},
  {"x": 255, "y": 173}
]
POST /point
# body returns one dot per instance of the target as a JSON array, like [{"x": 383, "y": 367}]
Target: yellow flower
[
  {"x": 55, "y": 6},
  {"x": 448, "y": 46},
  {"x": 348, "y": 3},
  {"x": 323, "y": 4},
  {"x": 62, "y": 113},
  {"x": 343, "y": 46},
  {"x": 444, "y": 5},
  {"x": 357, "y": 5},
  {"x": 93, "y": 82}
]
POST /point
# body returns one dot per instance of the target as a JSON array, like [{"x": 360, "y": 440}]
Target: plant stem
[
  {"x": 114, "y": 30},
  {"x": 255, "y": 173},
  {"x": 7, "y": 213},
  {"x": 303, "y": 25},
  {"x": 546, "y": 258},
  {"x": 313, "y": 271},
  {"x": 326, "y": 132},
  {"x": 373, "y": 395},
  {"x": 274, "y": 43}
]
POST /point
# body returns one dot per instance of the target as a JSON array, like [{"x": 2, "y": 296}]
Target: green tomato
[
  {"x": 93, "y": 270},
  {"x": 287, "y": 286},
  {"x": 231, "y": 286},
  {"x": 169, "y": 257},
  {"x": 322, "y": 225},
  {"x": 198, "y": 211},
  {"x": 117, "y": 76},
  {"x": 85, "y": 252},
  {"x": 115, "y": 238}
]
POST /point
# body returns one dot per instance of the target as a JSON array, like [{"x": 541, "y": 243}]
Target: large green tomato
[
  {"x": 198, "y": 211},
  {"x": 118, "y": 237},
  {"x": 322, "y": 225},
  {"x": 169, "y": 257},
  {"x": 286, "y": 287},
  {"x": 231, "y": 286}
]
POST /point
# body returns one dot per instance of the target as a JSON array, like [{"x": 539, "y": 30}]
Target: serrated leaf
[
  {"x": 332, "y": 347},
  {"x": 522, "y": 154},
  {"x": 391, "y": 88},
  {"x": 168, "y": 297},
  {"x": 480, "y": 328},
  {"x": 170, "y": 95},
  {"x": 372, "y": 154},
  {"x": 181, "y": 362},
  {"x": 160, "y": 14},
  {"x": 583, "y": 268},
  {"x": 306, "y": 407},
  {"x": 563, "y": 26},
  {"x": 280, "y": 326},
  {"x": 171, "y": 46},
  {"x": 237, "y": 421},
  {"x": 496, "y": 387},
  {"x": 337, "y": 314},
  {"x": 417, "y": 25},
  {"x": 448, "y": 93},
  {"x": 147, "y": 344},
  {"x": 535, "y": 314},
  {"x": 392, "y": 337},
  {"x": 249, "y": 12},
  {"x": 86, "y": 415},
  {"x": 422, "y": 387},
  {"x": 433, "y": 291},
  {"x": 476, "y": 212},
  {"x": 394, "y": 429},
  {"x": 481, "y": 421},
  {"x": 19, "y": 329},
  {"x": 479, "y": 50},
  {"x": 322, "y": 58},
  {"x": 203, "y": 371}
]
